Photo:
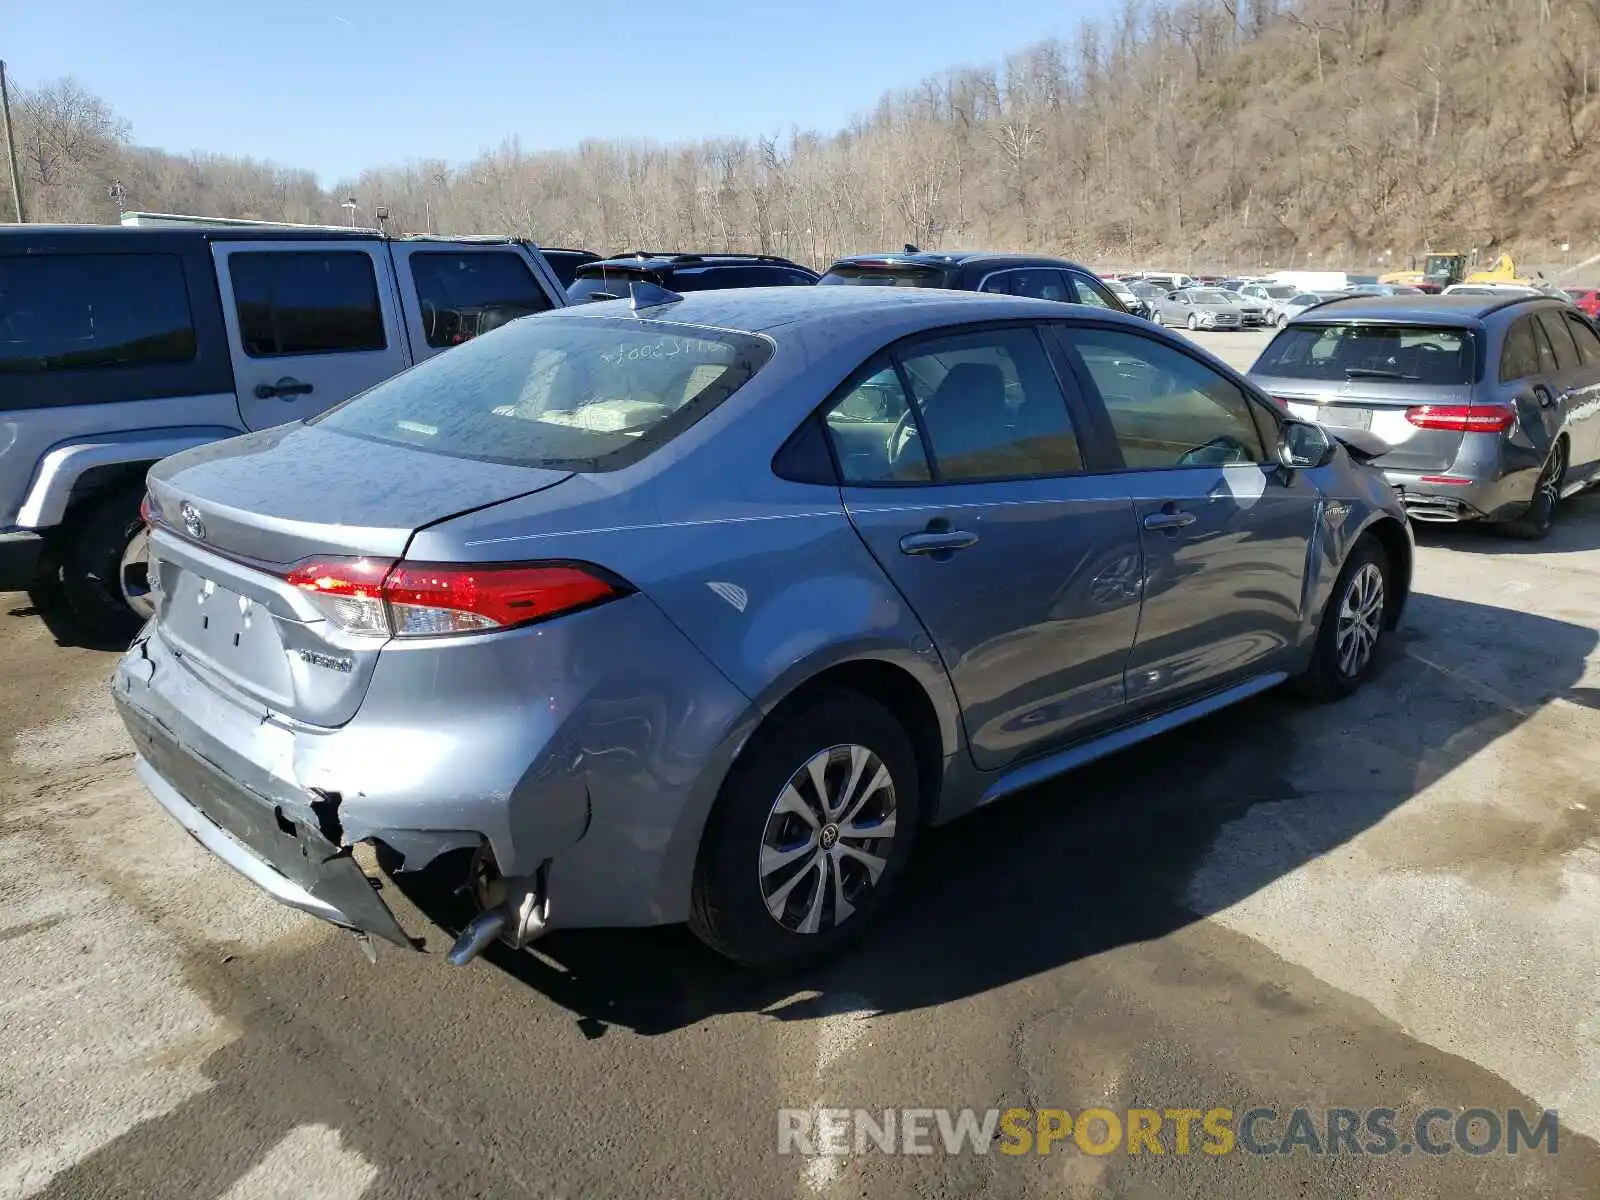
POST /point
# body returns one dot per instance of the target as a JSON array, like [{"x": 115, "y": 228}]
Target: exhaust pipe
[
  {"x": 482, "y": 930},
  {"x": 511, "y": 909}
]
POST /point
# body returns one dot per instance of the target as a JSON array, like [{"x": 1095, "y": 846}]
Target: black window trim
[
  {"x": 1075, "y": 407},
  {"x": 1269, "y": 420},
  {"x": 370, "y": 257}
]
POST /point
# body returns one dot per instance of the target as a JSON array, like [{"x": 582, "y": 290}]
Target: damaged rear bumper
[{"x": 288, "y": 859}]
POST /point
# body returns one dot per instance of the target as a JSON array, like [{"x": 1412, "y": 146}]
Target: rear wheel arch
[{"x": 897, "y": 690}]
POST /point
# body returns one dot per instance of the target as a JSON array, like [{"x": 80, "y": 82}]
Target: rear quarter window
[
  {"x": 64, "y": 312},
  {"x": 468, "y": 293}
]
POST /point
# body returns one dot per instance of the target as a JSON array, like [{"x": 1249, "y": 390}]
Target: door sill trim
[{"x": 1039, "y": 770}]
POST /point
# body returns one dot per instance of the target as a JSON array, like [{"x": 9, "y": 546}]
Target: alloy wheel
[
  {"x": 1360, "y": 619},
  {"x": 827, "y": 838},
  {"x": 133, "y": 575},
  {"x": 1548, "y": 491}
]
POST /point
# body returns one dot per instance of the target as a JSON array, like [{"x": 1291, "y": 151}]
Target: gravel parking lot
[{"x": 1390, "y": 902}]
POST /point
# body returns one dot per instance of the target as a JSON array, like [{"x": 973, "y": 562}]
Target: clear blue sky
[{"x": 338, "y": 85}]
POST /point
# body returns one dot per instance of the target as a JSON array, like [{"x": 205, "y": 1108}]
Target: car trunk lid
[
  {"x": 233, "y": 518},
  {"x": 1380, "y": 407}
]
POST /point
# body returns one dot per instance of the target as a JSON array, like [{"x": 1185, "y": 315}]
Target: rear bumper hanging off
[{"x": 288, "y": 859}]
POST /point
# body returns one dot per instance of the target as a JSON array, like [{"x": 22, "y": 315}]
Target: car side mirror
[{"x": 1304, "y": 446}]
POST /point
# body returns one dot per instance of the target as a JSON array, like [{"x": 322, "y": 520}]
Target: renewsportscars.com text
[{"x": 1212, "y": 1131}]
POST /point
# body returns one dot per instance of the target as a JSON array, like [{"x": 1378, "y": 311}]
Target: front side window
[
  {"x": 1338, "y": 351},
  {"x": 990, "y": 407},
  {"x": 1588, "y": 341},
  {"x": 1167, "y": 409},
  {"x": 465, "y": 294},
  {"x": 1085, "y": 291},
  {"x": 65, "y": 312},
  {"x": 1519, "y": 358},
  {"x": 306, "y": 302},
  {"x": 576, "y": 393}
]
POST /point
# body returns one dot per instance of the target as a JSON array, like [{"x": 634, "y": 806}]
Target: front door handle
[
  {"x": 285, "y": 389},
  {"x": 1169, "y": 519},
  {"x": 935, "y": 542}
]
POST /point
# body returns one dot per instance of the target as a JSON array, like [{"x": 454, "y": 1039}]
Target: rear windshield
[
  {"x": 590, "y": 394},
  {"x": 1412, "y": 353},
  {"x": 597, "y": 285},
  {"x": 899, "y": 276}
]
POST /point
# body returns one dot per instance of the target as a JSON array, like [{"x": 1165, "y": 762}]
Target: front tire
[
  {"x": 1352, "y": 625},
  {"x": 1194, "y": 322},
  {"x": 1535, "y": 524},
  {"x": 809, "y": 836},
  {"x": 102, "y": 575}
]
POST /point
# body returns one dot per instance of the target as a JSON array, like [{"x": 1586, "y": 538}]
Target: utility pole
[{"x": 11, "y": 144}]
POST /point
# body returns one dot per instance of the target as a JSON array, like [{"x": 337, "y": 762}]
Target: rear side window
[
  {"x": 1588, "y": 341},
  {"x": 64, "y": 312},
  {"x": 1410, "y": 353},
  {"x": 1555, "y": 329},
  {"x": 1039, "y": 283},
  {"x": 1519, "y": 358},
  {"x": 990, "y": 406},
  {"x": 306, "y": 302},
  {"x": 583, "y": 394},
  {"x": 463, "y": 295}
]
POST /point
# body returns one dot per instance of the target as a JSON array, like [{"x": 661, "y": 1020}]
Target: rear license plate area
[{"x": 1337, "y": 416}]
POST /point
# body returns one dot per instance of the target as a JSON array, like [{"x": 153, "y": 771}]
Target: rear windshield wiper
[{"x": 1374, "y": 373}]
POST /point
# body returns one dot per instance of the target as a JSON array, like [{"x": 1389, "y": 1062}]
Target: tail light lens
[
  {"x": 147, "y": 510},
  {"x": 377, "y": 598},
  {"x": 1463, "y": 418},
  {"x": 1280, "y": 402}
]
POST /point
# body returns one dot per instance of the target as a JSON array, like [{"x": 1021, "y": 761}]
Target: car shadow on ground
[
  {"x": 63, "y": 627},
  {"x": 1102, "y": 857}
]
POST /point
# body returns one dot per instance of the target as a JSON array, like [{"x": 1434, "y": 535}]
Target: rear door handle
[
  {"x": 285, "y": 389},
  {"x": 1169, "y": 520},
  {"x": 934, "y": 543}
]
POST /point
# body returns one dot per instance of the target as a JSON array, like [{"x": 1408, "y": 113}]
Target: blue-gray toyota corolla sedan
[{"x": 701, "y": 608}]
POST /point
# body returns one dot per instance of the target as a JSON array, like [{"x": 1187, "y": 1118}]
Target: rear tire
[
  {"x": 1536, "y": 522},
  {"x": 95, "y": 582},
  {"x": 1353, "y": 611},
  {"x": 770, "y": 877}
]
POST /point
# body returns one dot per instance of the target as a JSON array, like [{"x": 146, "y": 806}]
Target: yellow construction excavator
[{"x": 1439, "y": 271}]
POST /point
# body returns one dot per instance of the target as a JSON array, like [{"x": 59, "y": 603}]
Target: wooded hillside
[{"x": 1201, "y": 131}]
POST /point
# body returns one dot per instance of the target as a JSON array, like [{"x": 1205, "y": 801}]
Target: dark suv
[
  {"x": 565, "y": 262},
  {"x": 1033, "y": 275},
  {"x": 1483, "y": 401},
  {"x": 608, "y": 279}
]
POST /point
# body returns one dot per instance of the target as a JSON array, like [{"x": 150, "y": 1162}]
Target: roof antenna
[
  {"x": 910, "y": 249},
  {"x": 643, "y": 294}
]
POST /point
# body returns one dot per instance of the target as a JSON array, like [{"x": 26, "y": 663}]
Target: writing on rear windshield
[{"x": 663, "y": 347}]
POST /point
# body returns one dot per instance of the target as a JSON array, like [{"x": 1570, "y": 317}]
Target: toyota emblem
[{"x": 195, "y": 527}]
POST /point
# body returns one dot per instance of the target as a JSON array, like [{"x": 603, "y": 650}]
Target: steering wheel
[
  {"x": 904, "y": 433},
  {"x": 1236, "y": 450},
  {"x": 1430, "y": 347}
]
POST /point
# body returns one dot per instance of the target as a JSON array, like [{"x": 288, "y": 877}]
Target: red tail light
[
  {"x": 1280, "y": 402},
  {"x": 147, "y": 510},
  {"x": 1463, "y": 418},
  {"x": 386, "y": 599}
]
